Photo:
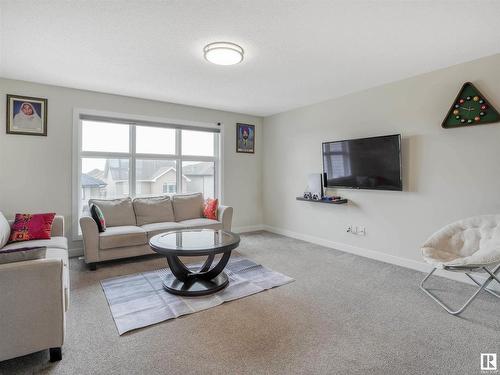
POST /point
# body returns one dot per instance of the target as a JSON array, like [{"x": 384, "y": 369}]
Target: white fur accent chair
[{"x": 469, "y": 245}]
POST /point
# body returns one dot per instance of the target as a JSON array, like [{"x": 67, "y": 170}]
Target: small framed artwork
[
  {"x": 245, "y": 138},
  {"x": 26, "y": 115}
]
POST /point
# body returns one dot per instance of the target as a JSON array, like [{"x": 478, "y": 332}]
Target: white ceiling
[{"x": 296, "y": 52}]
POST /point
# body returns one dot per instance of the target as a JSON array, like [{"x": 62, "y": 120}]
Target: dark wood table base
[
  {"x": 196, "y": 287},
  {"x": 201, "y": 283}
]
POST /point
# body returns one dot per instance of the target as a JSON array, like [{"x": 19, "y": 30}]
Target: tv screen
[{"x": 365, "y": 163}]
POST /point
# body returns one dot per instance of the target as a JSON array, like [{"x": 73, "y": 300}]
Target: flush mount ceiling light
[{"x": 223, "y": 53}]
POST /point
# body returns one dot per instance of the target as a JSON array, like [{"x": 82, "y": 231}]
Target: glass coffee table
[{"x": 195, "y": 242}]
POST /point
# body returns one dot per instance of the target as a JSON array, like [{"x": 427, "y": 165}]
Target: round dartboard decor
[{"x": 470, "y": 108}]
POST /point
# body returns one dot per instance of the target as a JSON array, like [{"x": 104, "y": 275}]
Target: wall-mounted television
[{"x": 363, "y": 163}]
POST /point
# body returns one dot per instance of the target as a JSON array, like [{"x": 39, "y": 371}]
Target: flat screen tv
[{"x": 364, "y": 163}]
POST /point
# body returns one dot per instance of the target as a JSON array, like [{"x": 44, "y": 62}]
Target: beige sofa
[
  {"x": 34, "y": 298},
  {"x": 131, "y": 223}
]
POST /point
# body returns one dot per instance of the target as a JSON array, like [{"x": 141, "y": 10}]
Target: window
[
  {"x": 104, "y": 137},
  {"x": 124, "y": 159},
  {"x": 152, "y": 174},
  {"x": 197, "y": 143},
  {"x": 152, "y": 140},
  {"x": 198, "y": 176},
  {"x": 169, "y": 188}
]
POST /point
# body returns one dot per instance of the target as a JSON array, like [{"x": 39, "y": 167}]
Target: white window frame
[{"x": 140, "y": 120}]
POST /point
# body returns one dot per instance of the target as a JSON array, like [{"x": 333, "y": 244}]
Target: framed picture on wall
[
  {"x": 26, "y": 115},
  {"x": 245, "y": 138}
]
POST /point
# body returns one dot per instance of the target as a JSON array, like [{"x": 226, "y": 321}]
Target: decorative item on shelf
[
  {"x": 332, "y": 198},
  {"x": 307, "y": 195},
  {"x": 315, "y": 185},
  {"x": 470, "y": 108},
  {"x": 245, "y": 138},
  {"x": 26, "y": 115}
]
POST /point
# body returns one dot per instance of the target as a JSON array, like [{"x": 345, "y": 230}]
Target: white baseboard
[
  {"x": 248, "y": 228},
  {"x": 376, "y": 255}
]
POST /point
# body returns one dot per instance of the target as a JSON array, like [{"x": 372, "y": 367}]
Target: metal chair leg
[
  {"x": 493, "y": 273},
  {"x": 481, "y": 287},
  {"x": 486, "y": 289}
]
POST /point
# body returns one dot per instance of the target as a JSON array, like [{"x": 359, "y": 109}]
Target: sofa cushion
[
  {"x": 31, "y": 227},
  {"x": 122, "y": 236},
  {"x": 21, "y": 254},
  {"x": 4, "y": 231},
  {"x": 157, "y": 228},
  {"x": 202, "y": 223},
  {"x": 117, "y": 212},
  {"x": 54, "y": 242},
  {"x": 188, "y": 206},
  {"x": 153, "y": 210}
]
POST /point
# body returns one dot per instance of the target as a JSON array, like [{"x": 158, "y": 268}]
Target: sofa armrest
[
  {"x": 57, "y": 229},
  {"x": 32, "y": 307},
  {"x": 225, "y": 216},
  {"x": 90, "y": 234}
]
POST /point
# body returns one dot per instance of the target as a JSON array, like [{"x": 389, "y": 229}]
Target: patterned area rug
[{"x": 139, "y": 300}]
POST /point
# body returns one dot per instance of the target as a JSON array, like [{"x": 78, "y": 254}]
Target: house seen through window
[{"x": 120, "y": 160}]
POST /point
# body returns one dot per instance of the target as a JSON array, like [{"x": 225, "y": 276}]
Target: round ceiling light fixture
[{"x": 223, "y": 53}]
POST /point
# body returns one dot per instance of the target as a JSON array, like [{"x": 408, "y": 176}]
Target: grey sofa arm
[
  {"x": 90, "y": 234},
  {"x": 57, "y": 229},
  {"x": 32, "y": 307},
  {"x": 225, "y": 216}
]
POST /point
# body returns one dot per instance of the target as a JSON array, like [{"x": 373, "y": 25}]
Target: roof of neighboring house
[
  {"x": 164, "y": 171},
  {"x": 96, "y": 173},
  {"x": 151, "y": 170},
  {"x": 118, "y": 168},
  {"x": 89, "y": 181},
  {"x": 199, "y": 169}
]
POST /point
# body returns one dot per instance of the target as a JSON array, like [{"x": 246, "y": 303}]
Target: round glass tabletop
[{"x": 194, "y": 242}]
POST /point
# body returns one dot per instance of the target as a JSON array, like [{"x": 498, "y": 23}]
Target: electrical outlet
[{"x": 357, "y": 230}]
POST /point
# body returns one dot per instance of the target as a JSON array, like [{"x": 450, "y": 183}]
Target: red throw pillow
[
  {"x": 210, "y": 208},
  {"x": 31, "y": 227}
]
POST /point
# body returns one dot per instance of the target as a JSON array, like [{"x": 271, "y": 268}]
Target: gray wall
[
  {"x": 35, "y": 172},
  {"x": 448, "y": 173}
]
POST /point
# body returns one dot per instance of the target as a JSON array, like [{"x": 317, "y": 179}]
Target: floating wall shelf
[{"x": 338, "y": 201}]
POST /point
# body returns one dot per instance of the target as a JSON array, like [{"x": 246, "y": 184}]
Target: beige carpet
[{"x": 343, "y": 315}]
